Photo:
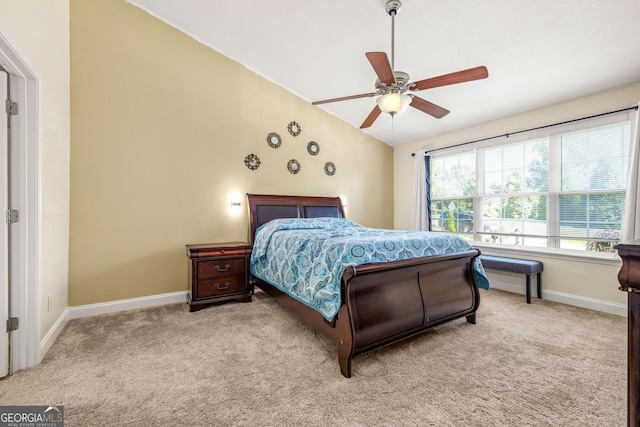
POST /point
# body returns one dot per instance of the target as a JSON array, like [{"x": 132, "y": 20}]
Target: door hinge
[
  {"x": 12, "y": 324},
  {"x": 12, "y": 216},
  {"x": 10, "y": 107}
]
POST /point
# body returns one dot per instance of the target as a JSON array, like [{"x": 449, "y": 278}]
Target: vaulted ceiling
[{"x": 537, "y": 52}]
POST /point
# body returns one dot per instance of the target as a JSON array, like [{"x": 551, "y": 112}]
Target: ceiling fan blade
[
  {"x": 428, "y": 107},
  {"x": 476, "y": 73},
  {"x": 344, "y": 98},
  {"x": 371, "y": 117},
  {"x": 380, "y": 63}
]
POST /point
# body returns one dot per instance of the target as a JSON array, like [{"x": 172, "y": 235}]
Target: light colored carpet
[{"x": 253, "y": 364}]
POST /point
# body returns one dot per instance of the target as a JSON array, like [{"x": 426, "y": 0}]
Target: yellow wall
[
  {"x": 39, "y": 31},
  {"x": 562, "y": 276},
  {"x": 161, "y": 127}
]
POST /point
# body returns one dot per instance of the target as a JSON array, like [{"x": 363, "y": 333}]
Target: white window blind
[{"x": 592, "y": 190}]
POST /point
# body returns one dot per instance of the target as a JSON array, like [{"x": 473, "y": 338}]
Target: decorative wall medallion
[
  {"x": 294, "y": 128},
  {"x": 329, "y": 168},
  {"x": 313, "y": 148},
  {"x": 252, "y": 161},
  {"x": 293, "y": 166},
  {"x": 274, "y": 140}
]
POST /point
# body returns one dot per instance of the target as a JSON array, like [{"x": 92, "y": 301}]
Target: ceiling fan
[{"x": 392, "y": 86}]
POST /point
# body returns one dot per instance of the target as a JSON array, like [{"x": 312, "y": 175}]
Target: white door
[{"x": 4, "y": 229}]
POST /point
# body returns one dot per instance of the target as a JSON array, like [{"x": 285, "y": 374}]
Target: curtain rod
[{"x": 536, "y": 128}]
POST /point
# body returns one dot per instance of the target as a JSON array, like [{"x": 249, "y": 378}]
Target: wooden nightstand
[{"x": 218, "y": 272}]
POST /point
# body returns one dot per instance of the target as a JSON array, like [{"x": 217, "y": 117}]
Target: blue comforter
[{"x": 306, "y": 257}]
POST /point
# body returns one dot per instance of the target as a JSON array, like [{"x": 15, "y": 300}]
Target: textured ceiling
[{"x": 537, "y": 52}]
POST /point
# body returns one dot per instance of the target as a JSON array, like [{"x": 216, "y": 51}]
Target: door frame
[
  {"x": 5, "y": 337},
  {"x": 24, "y": 87}
]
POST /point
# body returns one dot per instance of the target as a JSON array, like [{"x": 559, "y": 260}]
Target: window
[
  {"x": 592, "y": 187},
  {"x": 453, "y": 186},
  {"x": 514, "y": 206},
  {"x": 564, "y": 190}
]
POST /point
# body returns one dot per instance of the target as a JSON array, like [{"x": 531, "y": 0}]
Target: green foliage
[
  {"x": 450, "y": 223},
  {"x": 537, "y": 178}
]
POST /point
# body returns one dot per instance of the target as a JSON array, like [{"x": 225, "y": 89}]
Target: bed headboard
[{"x": 264, "y": 208}]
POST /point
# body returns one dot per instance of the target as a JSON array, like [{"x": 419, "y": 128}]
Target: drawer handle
[
  {"x": 226, "y": 267},
  {"x": 222, "y": 288}
]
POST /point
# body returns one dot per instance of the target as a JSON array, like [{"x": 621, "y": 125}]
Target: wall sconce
[{"x": 235, "y": 204}]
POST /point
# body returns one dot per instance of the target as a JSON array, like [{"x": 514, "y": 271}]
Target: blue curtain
[{"x": 427, "y": 176}]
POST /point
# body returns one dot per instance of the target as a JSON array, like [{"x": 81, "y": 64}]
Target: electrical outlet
[{"x": 49, "y": 302}]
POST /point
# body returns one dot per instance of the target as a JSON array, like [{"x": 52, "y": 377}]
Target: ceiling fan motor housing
[{"x": 400, "y": 86}]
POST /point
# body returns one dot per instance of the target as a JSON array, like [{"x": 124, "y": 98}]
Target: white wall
[{"x": 39, "y": 31}]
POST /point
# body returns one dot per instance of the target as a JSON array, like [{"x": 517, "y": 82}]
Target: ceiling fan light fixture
[
  {"x": 392, "y": 84},
  {"x": 393, "y": 103}
]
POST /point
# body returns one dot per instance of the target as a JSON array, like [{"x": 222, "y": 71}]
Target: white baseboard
[
  {"x": 104, "y": 308},
  {"x": 561, "y": 297},
  {"x": 48, "y": 340},
  {"x": 126, "y": 304}
]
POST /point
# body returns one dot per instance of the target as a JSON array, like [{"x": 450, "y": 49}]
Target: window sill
[{"x": 514, "y": 251}]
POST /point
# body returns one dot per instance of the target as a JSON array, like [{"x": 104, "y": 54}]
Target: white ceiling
[{"x": 537, "y": 52}]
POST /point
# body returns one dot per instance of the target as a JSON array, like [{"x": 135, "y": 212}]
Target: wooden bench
[{"x": 513, "y": 265}]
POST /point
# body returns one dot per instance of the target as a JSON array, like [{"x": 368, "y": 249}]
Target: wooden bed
[{"x": 381, "y": 303}]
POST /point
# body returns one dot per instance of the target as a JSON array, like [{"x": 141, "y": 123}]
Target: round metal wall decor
[
  {"x": 329, "y": 168},
  {"x": 313, "y": 148},
  {"x": 274, "y": 140},
  {"x": 294, "y": 128},
  {"x": 293, "y": 166},
  {"x": 252, "y": 161}
]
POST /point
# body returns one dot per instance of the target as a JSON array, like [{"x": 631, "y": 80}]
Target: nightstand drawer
[
  {"x": 221, "y": 286},
  {"x": 221, "y": 267},
  {"x": 218, "y": 272}
]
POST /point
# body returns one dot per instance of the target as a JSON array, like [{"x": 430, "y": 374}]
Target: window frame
[{"x": 553, "y": 135}]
